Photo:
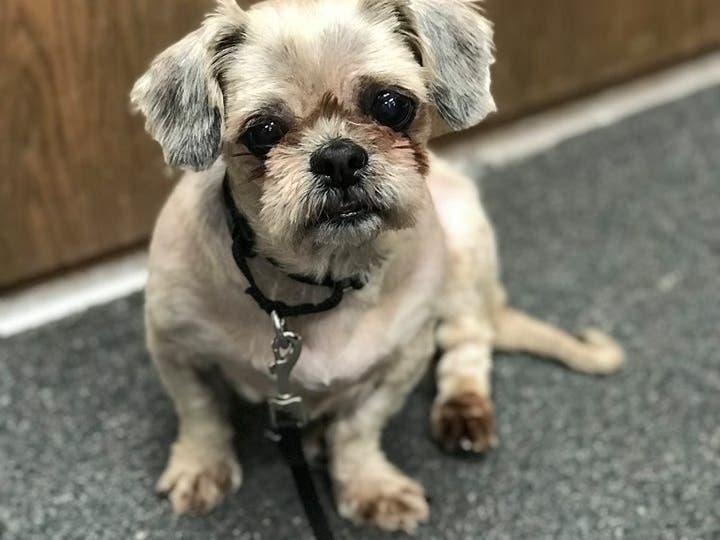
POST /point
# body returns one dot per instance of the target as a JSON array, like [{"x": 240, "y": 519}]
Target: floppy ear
[
  {"x": 182, "y": 104},
  {"x": 459, "y": 43}
]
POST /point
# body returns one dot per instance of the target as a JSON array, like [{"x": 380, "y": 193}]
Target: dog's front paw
[
  {"x": 390, "y": 501},
  {"x": 464, "y": 422},
  {"x": 196, "y": 480}
]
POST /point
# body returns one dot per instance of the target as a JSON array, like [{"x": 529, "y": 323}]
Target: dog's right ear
[
  {"x": 454, "y": 43},
  {"x": 458, "y": 42},
  {"x": 180, "y": 94}
]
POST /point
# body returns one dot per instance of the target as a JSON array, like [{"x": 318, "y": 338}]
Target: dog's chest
[{"x": 342, "y": 346}]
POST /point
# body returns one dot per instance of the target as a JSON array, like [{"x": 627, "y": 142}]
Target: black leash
[
  {"x": 289, "y": 441},
  {"x": 287, "y": 418},
  {"x": 287, "y": 414}
]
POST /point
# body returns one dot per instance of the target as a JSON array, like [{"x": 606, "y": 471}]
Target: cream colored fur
[{"x": 431, "y": 263}]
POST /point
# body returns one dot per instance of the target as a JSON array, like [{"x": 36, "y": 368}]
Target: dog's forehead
[{"x": 297, "y": 51}]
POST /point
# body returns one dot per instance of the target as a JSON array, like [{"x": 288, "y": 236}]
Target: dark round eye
[
  {"x": 393, "y": 109},
  {"x": 263, "y": 134}
]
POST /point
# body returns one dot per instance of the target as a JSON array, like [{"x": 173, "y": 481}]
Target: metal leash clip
[{"x": 286, "y": 347}]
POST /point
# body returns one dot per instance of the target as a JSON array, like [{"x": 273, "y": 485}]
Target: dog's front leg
[
  {"x": 369, "y": 489},
  {"x": 202, "y": 468}
]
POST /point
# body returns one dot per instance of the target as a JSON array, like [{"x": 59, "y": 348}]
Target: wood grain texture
[
  {"x": 80, "y": 178},
  {"x": 79, "y": 175},
  {"x": 551, "y": 50}
]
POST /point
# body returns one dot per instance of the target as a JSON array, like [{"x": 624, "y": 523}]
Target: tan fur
[{"x": 429, "y": 257}]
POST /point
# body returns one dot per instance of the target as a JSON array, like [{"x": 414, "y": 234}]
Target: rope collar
[{"x": 244, "y": 248}]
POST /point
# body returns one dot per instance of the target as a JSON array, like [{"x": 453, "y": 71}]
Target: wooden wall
[
  {"x": 79, "y": 178},
  {"x": 551, "y": 50}
]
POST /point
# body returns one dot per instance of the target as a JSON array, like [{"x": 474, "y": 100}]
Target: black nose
[{"x": 339, "y": 162}]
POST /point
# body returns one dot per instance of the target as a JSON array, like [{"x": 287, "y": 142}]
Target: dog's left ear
[
  {"x": 182, "y": 104},
  {"x": 458, "y": 44},
  {"x": 181, "y": 95}
]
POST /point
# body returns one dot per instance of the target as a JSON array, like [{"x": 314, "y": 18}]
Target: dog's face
[{"x": 321, "y": 108}]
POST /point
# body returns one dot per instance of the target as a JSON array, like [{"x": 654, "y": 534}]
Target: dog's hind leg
[
  {"x": 462, "y": 413},
  {"x": 593, "y": 352}
]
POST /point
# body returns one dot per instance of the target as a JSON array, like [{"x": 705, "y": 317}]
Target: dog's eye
[
  {"x": 393, "y": 109},
  {"x": 263, "y": 134}
]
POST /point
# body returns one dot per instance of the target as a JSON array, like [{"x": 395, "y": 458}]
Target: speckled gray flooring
[{"x": 619, "y": 228}]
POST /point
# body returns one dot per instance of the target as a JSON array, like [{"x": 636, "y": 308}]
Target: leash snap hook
[{"x": 287, "y": 346}]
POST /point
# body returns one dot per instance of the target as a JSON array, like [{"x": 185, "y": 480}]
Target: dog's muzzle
[
  {"x": 339, "y": 163},
  {"x": 340, "y": 168},
  {"x": 347, "y": 208}
]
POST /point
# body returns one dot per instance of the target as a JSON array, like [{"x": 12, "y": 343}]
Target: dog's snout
[{"x": 339, "y": 162}]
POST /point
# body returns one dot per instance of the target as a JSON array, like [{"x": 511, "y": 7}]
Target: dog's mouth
[{"x": 347, "y": 214}]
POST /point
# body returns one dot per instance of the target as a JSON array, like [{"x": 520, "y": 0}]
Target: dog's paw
[
  {"x": 605, "y": 355},
  {"x": 392, "y": 501},
  {"x": 196, "y": 482},
  {"x": 464, "y": 422}
]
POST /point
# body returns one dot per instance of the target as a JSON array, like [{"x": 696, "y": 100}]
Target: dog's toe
[
  {"x": 197, "y": 485},
  {"x": 392, "y": 503},
  {"x": 464, "y": 422}
]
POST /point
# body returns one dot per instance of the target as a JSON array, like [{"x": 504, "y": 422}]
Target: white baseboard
[
  {"x": 72, "y": 293},
  {"x": 537, "y": 133}
]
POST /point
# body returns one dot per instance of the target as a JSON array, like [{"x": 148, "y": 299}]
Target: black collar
[{"x": 244, "y": 248}]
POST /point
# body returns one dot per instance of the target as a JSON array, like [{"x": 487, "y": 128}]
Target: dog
[{"x": 316, "y": 114}]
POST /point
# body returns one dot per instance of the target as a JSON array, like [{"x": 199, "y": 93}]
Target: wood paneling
[
  {"x": 79, "y": 178},
  {"x": 550, "y": 50}
]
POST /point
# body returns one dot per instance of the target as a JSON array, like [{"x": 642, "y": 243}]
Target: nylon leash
[{"x": 288, "y": 416}]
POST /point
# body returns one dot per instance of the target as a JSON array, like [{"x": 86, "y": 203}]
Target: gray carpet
[{"x": 619, "y": 228}]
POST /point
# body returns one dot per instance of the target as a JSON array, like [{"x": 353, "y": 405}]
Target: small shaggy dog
[{"x": 314, "y": 116}]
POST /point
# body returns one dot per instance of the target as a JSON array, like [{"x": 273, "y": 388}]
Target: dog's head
[{"x": 322, "y": 109}]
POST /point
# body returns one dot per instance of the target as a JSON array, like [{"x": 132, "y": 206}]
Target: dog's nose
[{"x": 340, "y": 162}]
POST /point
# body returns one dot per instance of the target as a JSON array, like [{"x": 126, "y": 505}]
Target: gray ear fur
[
  {"x": 183, "y": 104},
  {"x": 459, "y": 41}
]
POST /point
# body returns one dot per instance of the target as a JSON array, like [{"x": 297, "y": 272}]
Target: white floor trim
[
  {"x": 535, "y": 134},
  {"x": 105, "y": 282},
  {"x": 73, "y": 293}
]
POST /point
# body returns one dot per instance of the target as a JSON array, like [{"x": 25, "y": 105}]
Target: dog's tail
[{"x": 593, "y": 352}]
